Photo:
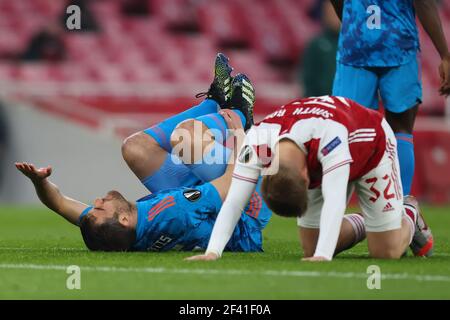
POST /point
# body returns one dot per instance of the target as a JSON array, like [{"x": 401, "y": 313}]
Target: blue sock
[
  {"x": 209, "y": 169},
  {"x": 214, "y": 163},
  {"x": 171, "y": 174},
  {"x": 162, "y": 131},
  {"x": 215, "y": 121},
  {"x": 405, "y": 149}
]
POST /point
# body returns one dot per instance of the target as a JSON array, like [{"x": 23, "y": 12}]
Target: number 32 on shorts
[{"x": 387, "y": 191}]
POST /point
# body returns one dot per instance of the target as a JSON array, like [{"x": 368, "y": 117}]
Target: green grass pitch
[{"x": 36, "y": 246}]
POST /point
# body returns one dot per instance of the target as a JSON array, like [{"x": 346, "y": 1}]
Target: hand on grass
[
  {"x": 203, "y": 257},
  {"x": 315, "y": 259}
]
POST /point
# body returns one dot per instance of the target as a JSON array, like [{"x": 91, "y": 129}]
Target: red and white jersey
[{"x": 332, "y": 131}]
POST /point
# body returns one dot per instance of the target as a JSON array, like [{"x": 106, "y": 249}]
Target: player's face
[{"x": 109, "y": 205}]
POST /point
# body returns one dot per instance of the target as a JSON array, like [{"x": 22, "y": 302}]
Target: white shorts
[{"x": 379, "y": 193}]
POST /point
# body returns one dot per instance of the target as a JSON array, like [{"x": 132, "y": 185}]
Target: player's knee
[
  {"x": 402, "y": 122},
  {"x": 184, "y": 139},
  {"x": 137, "y": 146}
]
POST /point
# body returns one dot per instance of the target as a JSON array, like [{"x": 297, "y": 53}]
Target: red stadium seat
[
  {"x": 147, "y": 50},
  {"x": 225, "y": 31},
  {"x": 176, "y": 14}
]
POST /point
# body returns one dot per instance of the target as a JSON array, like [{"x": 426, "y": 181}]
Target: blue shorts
[{"x": 400, "y": 88}]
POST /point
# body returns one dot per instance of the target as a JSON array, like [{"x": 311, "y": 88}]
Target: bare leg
[
  {"x": 390, "y": 244},
  {"x": 143, "y": 154},
  {"x": 352, "y": 232},
  {"x": 190, "y": 140}
]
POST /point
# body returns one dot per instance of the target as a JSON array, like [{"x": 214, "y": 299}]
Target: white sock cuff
[
  {"x": 357, "y": 222},
  {"x": 412, "y": 225},
  {"x": 413, "y": 210}
]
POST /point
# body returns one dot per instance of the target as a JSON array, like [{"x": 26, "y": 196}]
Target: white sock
[
  {"x": 357, "y": 222},
  {"x": 411, "y": 216}
]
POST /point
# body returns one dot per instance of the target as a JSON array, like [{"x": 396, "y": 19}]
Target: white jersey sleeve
[
  {"x": 333, "y": 148},
  {"x": 245, "y": 177},
  {"x": 334, "y": 192}
]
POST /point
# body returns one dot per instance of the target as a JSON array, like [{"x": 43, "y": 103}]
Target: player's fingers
[
  {"x": 234, "y": 119},
  {"x": 226, "y": 116},
  {"x": 20, "y": 164},
  {"x": 191, "y": 258},
  {"x": 195, "y": 258},
  {"x": 188, "y": 259},
  {"x": 30, "y": 168},
  {"x": 226, "y": 113},
  {"x": 22, "y": 169},
  {"x": 26, "y": 166}
]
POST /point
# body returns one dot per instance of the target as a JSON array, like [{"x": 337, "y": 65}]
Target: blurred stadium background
[{"x": 68, "y": 98}]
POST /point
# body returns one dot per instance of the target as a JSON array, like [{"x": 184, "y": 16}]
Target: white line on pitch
[
  {"x": 41, "y": 249},
  {"x": 436, "y": 254},
  {"x": 274, "y": 273}
]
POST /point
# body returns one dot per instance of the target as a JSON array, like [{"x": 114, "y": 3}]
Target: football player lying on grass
[
  {"x": 325, "y": 147},
  {"x": 180, "y": 217},
  {"x": 186, "y": 198}
]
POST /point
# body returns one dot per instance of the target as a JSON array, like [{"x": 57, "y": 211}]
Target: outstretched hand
[{"x": 32, "y": 173}]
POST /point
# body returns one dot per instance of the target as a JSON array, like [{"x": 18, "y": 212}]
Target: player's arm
[
  {"x": 335, "y": 157},
  {"x": 338, "y": 7},
  {"x": 428, "y": 15},
  {"x": 334, "y": 192},
  {"x": 243, "y": 184},
  {"x": 49, "y": 193}
]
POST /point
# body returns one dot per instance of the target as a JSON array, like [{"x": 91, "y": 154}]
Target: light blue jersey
[
  {"x": 378, "y": 33},
  {"x": 183, "y": 219}
]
